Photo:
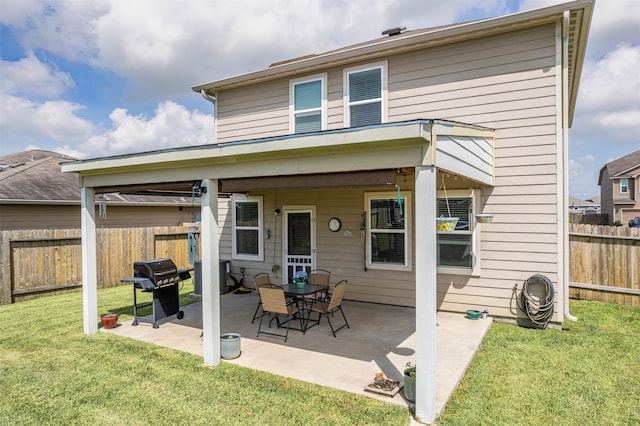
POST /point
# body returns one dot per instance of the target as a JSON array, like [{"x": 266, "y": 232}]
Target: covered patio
[
  {"x": 425, "y": 147},
  {"x": 381, "y": 338}
]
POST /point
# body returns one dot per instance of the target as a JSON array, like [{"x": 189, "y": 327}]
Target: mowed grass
[
  {"x": 586, "y": 374},
  {"x": 51, "y": 373}
]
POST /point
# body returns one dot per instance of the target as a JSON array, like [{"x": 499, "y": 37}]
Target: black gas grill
[{"x": 161, "y": 277}]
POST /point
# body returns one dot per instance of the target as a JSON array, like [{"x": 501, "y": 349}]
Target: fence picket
[{"x": 45, "y": 261}]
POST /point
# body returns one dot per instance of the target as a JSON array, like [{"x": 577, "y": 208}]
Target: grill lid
[{"x": 160, "y": 271}]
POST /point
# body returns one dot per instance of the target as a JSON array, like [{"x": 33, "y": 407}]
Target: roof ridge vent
[{"x": 394, "y": 31}]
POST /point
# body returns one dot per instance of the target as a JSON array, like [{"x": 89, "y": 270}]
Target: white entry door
[{"x": 299, "y": 240}]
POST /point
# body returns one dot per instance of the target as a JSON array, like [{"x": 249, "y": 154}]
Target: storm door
[{"x": 299, "y": 243}]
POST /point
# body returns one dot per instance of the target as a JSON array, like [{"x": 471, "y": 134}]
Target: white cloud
[
  {"x": 30, "y": 76},
  {"x": 609, "y": 98},
  {"x": 171, "y": 126},
  {"x": 27, "y": 122}
]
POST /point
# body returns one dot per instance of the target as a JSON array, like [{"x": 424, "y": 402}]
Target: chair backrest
[
  {"x": 319, "y": 277},
  {"x": 261, "y": 279},
  {"x": 273, "y": 299},
  {"x": 337, "y": 295}
]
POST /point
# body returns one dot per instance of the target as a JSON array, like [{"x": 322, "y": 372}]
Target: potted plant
[
  {"x": 410, "y": 382},
  {"x": 300, "y": 278}
]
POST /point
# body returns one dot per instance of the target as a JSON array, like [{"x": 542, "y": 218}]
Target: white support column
[
  {"x": 89, "y": 261},
  {"x": 426, "y": 290},
  {"x": 210, "y": 273}
]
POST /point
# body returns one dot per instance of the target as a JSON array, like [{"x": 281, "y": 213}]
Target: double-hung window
[
  {"x": 624, "y": 186},
  {"x": 388, "y": 230},
  {"x": 247, "y": 228},
  {"x": 308, "y": 99},
  {"x": 365, "y": 95},
  {"x": 456, "y": 250}
]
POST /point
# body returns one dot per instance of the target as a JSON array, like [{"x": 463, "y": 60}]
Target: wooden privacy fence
[
  {"x": 41, "y": 261},
  {"x": 604, "y": 263}
]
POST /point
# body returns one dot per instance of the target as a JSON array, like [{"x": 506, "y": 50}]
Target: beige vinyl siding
[
  {"x": 507, "y": 82},
  {"x": 341, "y": 255},
  {"x": 242, "y": 114}
]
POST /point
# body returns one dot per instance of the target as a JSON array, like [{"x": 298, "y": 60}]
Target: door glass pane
[{"x": 299, "y": 234}]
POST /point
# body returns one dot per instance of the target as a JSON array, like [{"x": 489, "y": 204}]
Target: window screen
[
  {"x": 307, "y": 106},
  {"x": 365, "y": 97},
  {"x": 455, "y": 248},
  {"x": 388, "y": 233},
  {"x": 246, "y": 228}
]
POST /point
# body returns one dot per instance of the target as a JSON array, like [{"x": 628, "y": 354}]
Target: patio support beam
[
  {"x": 210, "y": 273},
  {"x": 426, "y": 290},
  {"x": 89, "y": 261}
]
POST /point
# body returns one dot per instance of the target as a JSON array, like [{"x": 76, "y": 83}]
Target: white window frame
[
  {"x": 245, "y": 199},
  {"x": 624, "y": 188},
  {"x": 345, "y": 97},
  {"x": 474, "y": 230},
  {"x": 408, "y": 230},
  {"x": 323, "y": 102}
]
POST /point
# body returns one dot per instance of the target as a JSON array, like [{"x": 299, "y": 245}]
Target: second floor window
[
  {"x": 307, "y": 98},
  {"x": 624, "y": 186},
  {"x": 364, "y": 96}
]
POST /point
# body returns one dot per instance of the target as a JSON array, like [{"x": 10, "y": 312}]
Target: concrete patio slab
[{"x": 381, "y": 338}]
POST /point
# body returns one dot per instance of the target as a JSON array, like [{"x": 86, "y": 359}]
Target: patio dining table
[{"x": 300, "y": 294}]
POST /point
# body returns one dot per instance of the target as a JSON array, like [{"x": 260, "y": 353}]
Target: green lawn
[
  {"x": 586, "y": 374},
  {"x": 51, "y": 373}
]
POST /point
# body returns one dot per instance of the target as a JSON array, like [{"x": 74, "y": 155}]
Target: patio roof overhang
[{"x": 463, "y": 149}]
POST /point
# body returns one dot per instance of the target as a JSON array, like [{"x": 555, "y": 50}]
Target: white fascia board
[{"x": 230, "y": 151}]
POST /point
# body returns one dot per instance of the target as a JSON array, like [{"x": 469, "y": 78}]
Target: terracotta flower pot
[{"x": 109, "y": 320}]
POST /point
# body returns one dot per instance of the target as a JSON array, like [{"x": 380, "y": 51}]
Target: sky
[{"x": 105, "y": 77}]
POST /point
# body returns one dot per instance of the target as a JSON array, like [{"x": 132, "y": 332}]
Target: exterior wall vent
[{"x": 394, "y": 31}]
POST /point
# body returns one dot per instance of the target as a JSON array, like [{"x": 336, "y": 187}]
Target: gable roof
[
  {"x": 579, "y": 18},
  {"x": 35, "y": 177},
  {"x": 621, "y": 166}
]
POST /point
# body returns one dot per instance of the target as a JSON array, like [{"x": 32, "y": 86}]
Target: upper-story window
[
  {"x": 365, "y": 95},
  {"x": 308, "y": 100},
  {"x": 247, "y": 228},
  {"x": 624, "y": 186}
]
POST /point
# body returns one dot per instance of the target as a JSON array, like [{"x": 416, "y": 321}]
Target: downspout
[
  {"x": 565, "y": 160},
  {"x": 208, "y": 97}
]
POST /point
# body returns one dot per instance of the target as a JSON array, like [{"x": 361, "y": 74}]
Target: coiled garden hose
[{"x": 539, "y": 310}]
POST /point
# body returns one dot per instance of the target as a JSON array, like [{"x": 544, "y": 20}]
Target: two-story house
[
  {"x": 619, "y": 182},
  {"x": 345, "y": 160}
]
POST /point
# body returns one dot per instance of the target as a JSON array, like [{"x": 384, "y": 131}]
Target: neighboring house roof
[
  {"x": 35, "y": 177},
  {"x": 621, "y": 166},
  {"x": 579, "y": 19},
  {"x": 576, "y": 202}
]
